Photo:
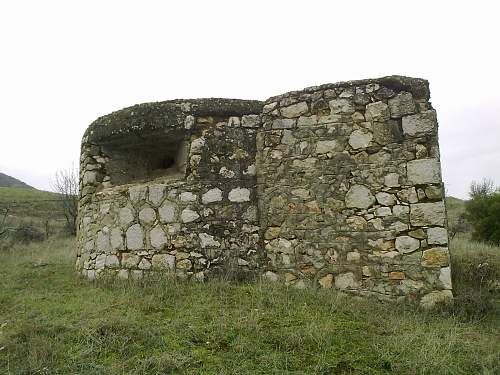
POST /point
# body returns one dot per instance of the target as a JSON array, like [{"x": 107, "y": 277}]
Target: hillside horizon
[{"x": 9, "y": 181}]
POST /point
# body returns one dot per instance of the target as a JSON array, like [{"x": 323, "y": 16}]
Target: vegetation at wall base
[{"x": 52, "y": 322}]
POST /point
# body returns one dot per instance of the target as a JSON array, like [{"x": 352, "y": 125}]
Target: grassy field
[
  {"x": 30, "y": 208},
  {"x": 52, "y": 322},
  {"x": 28, "y": 202}
]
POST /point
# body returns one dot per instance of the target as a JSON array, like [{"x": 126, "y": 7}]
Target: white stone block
[
  {"x": 135, "y": 237},
  {"x": 188, "y": 215},
  {"x": 427, "y": 214},
  {"x": 407, "y": 244},
  {"x": 213, "y": 195},
  {"x": 239, "y": 195},
  {"x": 420, "y": 124},
  {"x": 360, "y": 139},
  {"x": 423, "y": 171},
  {"x": 437, "y": 236},
  {"x": 294, "y": 110},
  {"x": 359, "y": 196}
]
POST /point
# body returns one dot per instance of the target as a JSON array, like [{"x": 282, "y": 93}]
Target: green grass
[
  {"x": 454, "y": 207},
  {"x": 27, "y": 202},
  {"x": 30, "y": 208},
  {"x": 52, "y": 322},
  {"x": 476, "y": 277}
]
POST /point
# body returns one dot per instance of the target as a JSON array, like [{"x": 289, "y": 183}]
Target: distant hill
[
  {"x": 8, "y": 181},
  {"x": 25, "y": 202}
]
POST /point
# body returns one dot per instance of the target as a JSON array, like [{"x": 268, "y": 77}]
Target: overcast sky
[{"x": 64, "y": 63}]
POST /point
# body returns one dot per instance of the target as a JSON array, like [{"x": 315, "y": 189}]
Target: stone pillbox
[{"x": 337, "y": 186}]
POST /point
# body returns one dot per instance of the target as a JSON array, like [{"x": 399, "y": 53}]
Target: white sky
[{"x": 64, "y": 63}]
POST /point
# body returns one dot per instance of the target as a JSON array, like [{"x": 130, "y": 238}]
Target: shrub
[
  {"x": 23, "y": 233},
  {"x": 27, "y": 232},
  {"x": 483, "y": 212}
]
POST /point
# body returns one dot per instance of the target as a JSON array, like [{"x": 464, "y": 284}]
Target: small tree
[
  {"x": 483, "y": 211},
  {"x": 66, "y": 184},
  {"x": 482, "y": 189}
]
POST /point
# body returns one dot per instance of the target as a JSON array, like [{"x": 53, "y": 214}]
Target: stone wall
[
  {"x": 196, "y": 222},
  {"x": 337, "y": 186}
]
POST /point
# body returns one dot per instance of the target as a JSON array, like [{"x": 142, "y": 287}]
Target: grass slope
[
  {"x": 24, "y": 203},
  {"x": 31, "y": 214},
  {"x": 8, "y": 181},
  {"x": 52, "y": 322}
]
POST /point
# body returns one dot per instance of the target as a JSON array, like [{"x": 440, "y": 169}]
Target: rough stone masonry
[{"x": 337, "y": 186}]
